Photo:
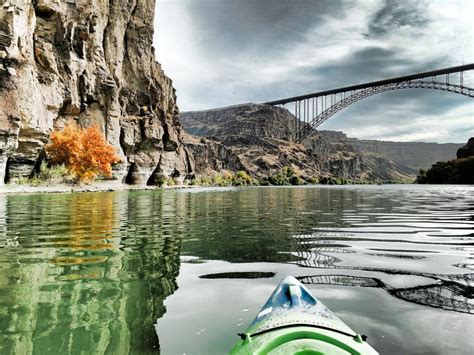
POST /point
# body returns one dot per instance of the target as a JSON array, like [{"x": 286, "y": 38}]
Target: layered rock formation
[
  {"x": 259, "y": 137},
  {"x": 90, "y": 61}
]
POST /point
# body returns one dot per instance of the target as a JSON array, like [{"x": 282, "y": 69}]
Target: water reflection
[
  {"x": 67, "y": 285},
  {"x": 452, "y": 292},
  {"x": 448, "y": 295},
  {"x": 90, "y": 272}
]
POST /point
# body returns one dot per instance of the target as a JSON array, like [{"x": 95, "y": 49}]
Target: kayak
[{"x": 293, "y": 321}]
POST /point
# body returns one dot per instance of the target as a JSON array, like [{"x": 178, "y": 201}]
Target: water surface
[{"x": 184, "y": 271}]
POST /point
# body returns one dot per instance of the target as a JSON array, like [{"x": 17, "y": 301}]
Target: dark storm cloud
[
  {"x": 396, "y": 14},
  {"x": 241, "y": 26},
  {"x": 370, "y": 64}
]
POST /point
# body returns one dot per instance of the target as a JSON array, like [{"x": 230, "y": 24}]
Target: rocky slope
[
  {"x": 91, "y": 61},
  {"x": 259, "y": 138}
]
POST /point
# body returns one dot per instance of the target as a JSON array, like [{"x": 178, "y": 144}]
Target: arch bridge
[{"x": 312, "y": 110}]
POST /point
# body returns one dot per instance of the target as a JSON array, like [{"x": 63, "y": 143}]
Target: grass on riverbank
[{"x": 57, "y": 174}]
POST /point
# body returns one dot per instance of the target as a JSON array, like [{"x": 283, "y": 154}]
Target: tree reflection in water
[{"x": 92, "y": 277}]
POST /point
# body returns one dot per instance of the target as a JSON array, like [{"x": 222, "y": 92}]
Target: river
[{"x": 183, "y": 271}]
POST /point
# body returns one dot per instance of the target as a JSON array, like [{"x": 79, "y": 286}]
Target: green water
[{"x": 184, "y": 271}]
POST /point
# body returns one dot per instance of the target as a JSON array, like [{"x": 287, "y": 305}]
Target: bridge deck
[{"x": 399, "y": 79}]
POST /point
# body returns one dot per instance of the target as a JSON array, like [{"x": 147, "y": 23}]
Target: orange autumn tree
[{"x": 84, "y": 151}]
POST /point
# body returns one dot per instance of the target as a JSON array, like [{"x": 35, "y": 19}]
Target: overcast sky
[{"x": 225, "y": 52}]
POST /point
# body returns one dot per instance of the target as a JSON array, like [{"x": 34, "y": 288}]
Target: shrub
[
  {"x": 286, "y": 176},
  {"x": 242, "y": 178},
  {"x": 83, "y": 151},
  {"x": 204, "y": 181},
  {"x": 218, "y": 180},
  {"x": 296, "y": 180},
  {"x": 227, "y": 175}
]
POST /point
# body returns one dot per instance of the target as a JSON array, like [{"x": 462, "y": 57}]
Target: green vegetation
[
  {"x": 458, "y": 171},
  {"x": 285, "y": 177},
  {"x": 242, "y": 178},
  {"x": 226, "y": 178},
  {"x": 163, "y": 182},
  {"x": 331, "y": 180},
  {"x": 57, "y": 174}
]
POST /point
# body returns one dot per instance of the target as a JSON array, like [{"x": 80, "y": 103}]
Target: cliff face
[
  {"x": 260, "y": 137},
  {"x": 91, "y": 61},
  {"x": 210, "y": 156},
  {"x": 242, "y": 120}
]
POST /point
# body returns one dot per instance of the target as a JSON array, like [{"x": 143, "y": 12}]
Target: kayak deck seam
[{"x": 302, "y": 325}]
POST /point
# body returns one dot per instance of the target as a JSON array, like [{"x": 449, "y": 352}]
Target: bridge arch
[
  {"x": 311, "y": 110},
  {"x": 364, "y": 93}
]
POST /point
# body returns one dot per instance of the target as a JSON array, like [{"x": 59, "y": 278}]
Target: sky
[{"x": 226, "y": 52}]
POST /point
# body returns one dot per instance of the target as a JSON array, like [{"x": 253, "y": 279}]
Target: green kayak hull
[{"x": 293, "y": 321}]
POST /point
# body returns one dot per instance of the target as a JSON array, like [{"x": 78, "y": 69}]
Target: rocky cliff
[
  {"x": 259, "y": 138},
  {"x": 90, "y": 61}
]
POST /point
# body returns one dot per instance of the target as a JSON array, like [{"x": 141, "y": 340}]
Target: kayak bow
[{"x": 293, "y": 321}]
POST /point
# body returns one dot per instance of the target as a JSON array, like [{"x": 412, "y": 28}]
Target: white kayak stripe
[{"x": 265, "y": 311}]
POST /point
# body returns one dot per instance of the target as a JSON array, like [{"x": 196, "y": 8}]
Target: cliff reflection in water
[{"x": 84, "y": 272}]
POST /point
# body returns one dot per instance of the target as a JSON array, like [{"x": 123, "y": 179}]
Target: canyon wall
[
  {"x": 90, "y": 61},
  {"x": 259, "y": 137}
]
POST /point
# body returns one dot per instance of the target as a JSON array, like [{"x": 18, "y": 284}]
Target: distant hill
[{"x": 416, "y": 155}]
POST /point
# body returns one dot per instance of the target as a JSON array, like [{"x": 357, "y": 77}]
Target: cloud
[
  {"x": 455, "y": 126},
  {"x": 397, "y": 15},
  {"x": 222, "y": 53}
]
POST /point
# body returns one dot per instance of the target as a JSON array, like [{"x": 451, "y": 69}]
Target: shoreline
[
  {"x": 113, "y": 186},
  {"x": 98, "y": 186}
]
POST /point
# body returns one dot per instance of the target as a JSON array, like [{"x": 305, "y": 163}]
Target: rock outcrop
[
  {"x": 90, "y": 61},
  {"x": 467, "y": 150},
  {"x": 260, "y": 136},
  {"x": 210, "y": 156}
]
